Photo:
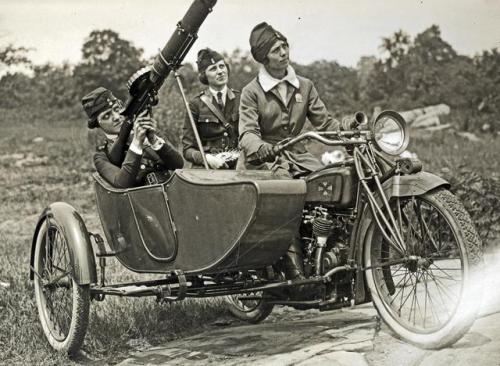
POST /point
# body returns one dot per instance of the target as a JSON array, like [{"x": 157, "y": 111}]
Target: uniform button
[
  {"x": 206, "y": 120},
  {"x": 225, "y": 134},
  {"x": 143, "y": 166},
  {"x": 285, "y": 128}
]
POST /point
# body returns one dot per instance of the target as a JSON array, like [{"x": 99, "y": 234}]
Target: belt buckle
[{"x": 152, "y": 179}]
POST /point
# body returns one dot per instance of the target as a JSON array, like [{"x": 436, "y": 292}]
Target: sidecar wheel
[
  {"x": 63, "y": 305},
  {"x": 252, "y": 311},
  {"x": 430, "y": 294}
]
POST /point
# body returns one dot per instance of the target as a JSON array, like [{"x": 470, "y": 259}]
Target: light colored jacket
[{"x": 265, "y": 117}]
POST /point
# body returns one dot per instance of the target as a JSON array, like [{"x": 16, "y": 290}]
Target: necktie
[{"x": 219, "y": 100}]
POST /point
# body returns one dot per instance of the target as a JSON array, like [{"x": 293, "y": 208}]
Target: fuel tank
[{"x": 336, "y": 184}]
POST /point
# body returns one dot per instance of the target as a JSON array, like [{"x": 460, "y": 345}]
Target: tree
[
  {"x": 108, "y": 61},
  {"x": 394, "y": 48},
  {"x": 15, "y": 56}
]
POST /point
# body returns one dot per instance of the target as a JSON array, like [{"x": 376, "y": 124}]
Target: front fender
[
  {"x": 75, "y": 232},
  {"x": 397, "y": 186},
  {"x": 412, "y": 185}
]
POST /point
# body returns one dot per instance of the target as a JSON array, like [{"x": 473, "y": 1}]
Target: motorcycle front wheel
[{"x": 427, "y": 290}]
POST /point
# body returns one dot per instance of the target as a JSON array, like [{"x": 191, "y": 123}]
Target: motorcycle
[{"x": 373, "y": 228}]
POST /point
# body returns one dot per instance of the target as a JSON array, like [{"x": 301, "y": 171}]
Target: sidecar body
[{"x": 202, "y": 221}]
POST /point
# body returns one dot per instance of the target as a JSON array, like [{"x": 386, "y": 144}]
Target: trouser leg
[{"x": 294, "y": 266}]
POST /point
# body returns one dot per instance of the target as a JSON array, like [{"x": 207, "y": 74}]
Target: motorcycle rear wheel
[
  {"x": 251, "y": 311},
  {"x": 431, "y": 298},
  {"x": 63, "y": 304}
]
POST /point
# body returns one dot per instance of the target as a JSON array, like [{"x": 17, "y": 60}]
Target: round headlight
[{"x": 390, "y": 132}]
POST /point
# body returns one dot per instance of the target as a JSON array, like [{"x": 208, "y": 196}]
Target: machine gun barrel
[{"x": 144, "y": 85}]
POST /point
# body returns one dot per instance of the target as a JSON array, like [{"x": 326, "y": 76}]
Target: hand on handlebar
[{"x": 266, "y": 152}]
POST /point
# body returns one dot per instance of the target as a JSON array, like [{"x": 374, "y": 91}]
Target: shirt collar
[
  {"x": 268, "y": 82},
  {"x": 214, "y": 92}
]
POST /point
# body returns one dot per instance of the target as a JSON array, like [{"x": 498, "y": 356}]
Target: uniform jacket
[
  {"x": 213, "y": 135},
  {"x": 134, "y": 168},
  {"x": 265, "y": 117}
]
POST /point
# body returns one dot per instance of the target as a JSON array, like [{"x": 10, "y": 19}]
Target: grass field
[
  {"x": 41, "y": 164},
  {"x": 58, "y": 168}
]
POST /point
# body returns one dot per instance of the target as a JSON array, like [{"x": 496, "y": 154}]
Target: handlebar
[{"x": 330, "y": 138}]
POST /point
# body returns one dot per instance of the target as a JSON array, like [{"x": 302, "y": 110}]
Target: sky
[{"x": 338, "y": 30}]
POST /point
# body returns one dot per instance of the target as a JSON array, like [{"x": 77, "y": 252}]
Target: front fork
[{"x": 368, "y": 171}]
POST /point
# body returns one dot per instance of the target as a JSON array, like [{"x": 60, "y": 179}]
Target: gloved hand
[
  {"x": 215, "y": 162},
  {"x": 266, "y": 152}
]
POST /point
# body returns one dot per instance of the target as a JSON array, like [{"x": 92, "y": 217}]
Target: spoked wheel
[
  {"x": 425, "y": 290},
  {"x": 252, "y": 311},
  {"x": 63, "y": 305}
]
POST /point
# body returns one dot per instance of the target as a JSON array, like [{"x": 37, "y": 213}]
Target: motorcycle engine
[{"x": 325, "y": 236}]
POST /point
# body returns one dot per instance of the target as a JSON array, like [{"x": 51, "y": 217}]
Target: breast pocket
[{"x": 210, "y": 127}]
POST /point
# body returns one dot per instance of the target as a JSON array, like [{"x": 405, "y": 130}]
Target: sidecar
[{"x": 201, "y": 221}]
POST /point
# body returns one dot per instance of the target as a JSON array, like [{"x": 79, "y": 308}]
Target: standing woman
[{"x": 215, "y": 112}]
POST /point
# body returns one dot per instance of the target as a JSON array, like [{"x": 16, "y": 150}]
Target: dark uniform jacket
[
  {"x": 264, "y": 117},
  {"x": 214, "y": 136},
  {"x": 131, "y": 171}
]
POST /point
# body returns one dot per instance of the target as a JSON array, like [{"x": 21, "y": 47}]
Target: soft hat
[
  {"x": 207, "y": 57},
  {"x": 262, "y": 38},
  {"x": 95, "y": 102}
]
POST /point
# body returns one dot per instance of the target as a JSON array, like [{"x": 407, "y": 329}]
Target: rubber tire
[
  {"x": 80, "y": 304},
  {"x": 468, "y": 239},
  {"x": 258, "y": 314}
]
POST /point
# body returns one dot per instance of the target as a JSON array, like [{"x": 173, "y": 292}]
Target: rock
[
  {"x": 336, "y": 359},
  {"x": 4, "y": 284},
  {"x": 439, "y": 128},
  {"x": 469, "y": 136},
  {"x": 426, "y": 121},
  {"x": 37, "y": 140},
  {"x": 295, "y": 357},
  {"x": 433, "y": 110},
  {"x": 222, "y": 322},
  {"x": 354, "y": 337}
]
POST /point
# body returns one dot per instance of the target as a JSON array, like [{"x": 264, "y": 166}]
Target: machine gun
[{"x": 144, "y": 85}]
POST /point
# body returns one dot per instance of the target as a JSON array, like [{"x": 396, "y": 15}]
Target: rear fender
[
  {"x": 397, "y": 186},
  {"x": 78, "y": 239}
]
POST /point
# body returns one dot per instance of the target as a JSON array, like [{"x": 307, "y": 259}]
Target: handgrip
[{"x": 257, "y": 161}]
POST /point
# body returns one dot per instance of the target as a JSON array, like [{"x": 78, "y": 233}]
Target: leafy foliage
[
  {"x": 481, "y": 198},
  {"x": 108, "y": 61}
]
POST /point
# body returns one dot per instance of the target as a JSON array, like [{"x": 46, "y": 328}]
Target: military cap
[
  {"x": 207, "y": 57},
  {"x": 262, "y": 38},
  {"x": 95, "y": 102}
]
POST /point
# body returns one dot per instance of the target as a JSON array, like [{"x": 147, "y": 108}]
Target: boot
[
  {"x": 294, "y": 267},
  {"x": 294, "y": 270}
]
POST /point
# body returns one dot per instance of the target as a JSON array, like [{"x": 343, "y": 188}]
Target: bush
[{"x": 481, "y": 198}]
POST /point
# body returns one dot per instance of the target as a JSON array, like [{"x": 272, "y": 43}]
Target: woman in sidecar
[
  {"x": 146, "y": 159},
  {"x": 215, "y": 115}
]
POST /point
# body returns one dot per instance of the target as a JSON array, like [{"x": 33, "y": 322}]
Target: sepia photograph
[{"x": 229, "y": 182}]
